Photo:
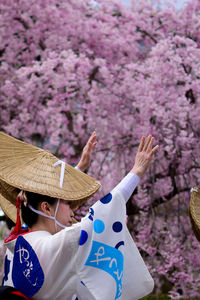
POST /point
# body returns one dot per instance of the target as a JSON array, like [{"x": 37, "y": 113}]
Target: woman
[{"x": 93, "y": 259}]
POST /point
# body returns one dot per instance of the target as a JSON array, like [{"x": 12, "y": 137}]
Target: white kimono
[{"x": 95, "y": 259}]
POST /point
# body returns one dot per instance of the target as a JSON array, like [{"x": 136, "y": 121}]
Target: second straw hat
[
  {"x": 194, "y": 210},
  {"x": 32, "y": 169}
]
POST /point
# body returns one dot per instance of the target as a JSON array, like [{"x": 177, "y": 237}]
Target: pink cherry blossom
[{"x": 71, "y": 67}]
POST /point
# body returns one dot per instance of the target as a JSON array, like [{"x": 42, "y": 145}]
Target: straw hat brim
[
  {"x": 194, "y": 211},
  {"x": 8, "y": 196},
  {"x": 29, "y": 168}
]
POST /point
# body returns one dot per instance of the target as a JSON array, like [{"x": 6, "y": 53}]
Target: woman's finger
[
  {"x": 149, "y": 148},
  {"x": 142, "y": 141},
  {"x": 92, "y": 137},
  {"x": 147, "y": 143},
  {"x": 154, "y": 150},
  {"x": 91, "y": 146},
  {"x": 90, "y": 141}
]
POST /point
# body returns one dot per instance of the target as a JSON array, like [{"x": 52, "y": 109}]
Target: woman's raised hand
[
  {"x": 144, "y": 155},
  {"x": 87, "y": 152}
]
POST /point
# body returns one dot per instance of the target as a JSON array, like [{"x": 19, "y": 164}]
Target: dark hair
[{"x": 30, "y": 217}]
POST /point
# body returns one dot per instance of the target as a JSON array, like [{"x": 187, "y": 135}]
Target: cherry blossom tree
[{"x": 69, "y": 67}]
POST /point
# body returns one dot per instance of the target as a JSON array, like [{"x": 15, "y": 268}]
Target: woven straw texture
[
  {"x": 8, "y": 196},
  {"x": 194, "y": 210},
  {"x": 31, "y": 169},
  {"x": 26, "y": 167}
]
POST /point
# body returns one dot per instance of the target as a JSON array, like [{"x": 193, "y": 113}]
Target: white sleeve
[
  {"x": 127, "y": 185},
  {"x": 77, "y": 168}
]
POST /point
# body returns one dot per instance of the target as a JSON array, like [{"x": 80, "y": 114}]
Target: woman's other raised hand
[{"x": 144, "y": 155}]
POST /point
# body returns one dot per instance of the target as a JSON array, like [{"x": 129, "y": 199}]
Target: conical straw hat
[
  {"x": 194, "y": 210},
  {"x": 26, "y": 167},
  {"x": 8, "y": 196}
]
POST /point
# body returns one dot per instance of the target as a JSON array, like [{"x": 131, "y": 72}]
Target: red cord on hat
[{"x": 18, "y": 227}]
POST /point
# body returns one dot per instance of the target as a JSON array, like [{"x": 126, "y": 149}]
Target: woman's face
[{"x": 64, "y": 214}]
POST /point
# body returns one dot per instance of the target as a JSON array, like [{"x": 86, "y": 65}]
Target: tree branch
[
  {"x": 147, "y": 34},
  {"x": 26, "y": 26}
]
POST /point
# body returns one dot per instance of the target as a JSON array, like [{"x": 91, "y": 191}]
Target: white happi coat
[{"x": 95, "y": 259}]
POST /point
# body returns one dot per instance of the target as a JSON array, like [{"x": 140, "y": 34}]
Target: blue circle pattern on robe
[
  {"x": 117, "y": 226},
  {"x": 99, "y": 226},
  {"x": 99, "y": 238},
  {"x": 83, "y": 237},
  {"x": 106, "y": 199}
]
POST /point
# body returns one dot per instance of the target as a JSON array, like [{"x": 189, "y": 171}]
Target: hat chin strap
[{"x": 56, "y": 222}]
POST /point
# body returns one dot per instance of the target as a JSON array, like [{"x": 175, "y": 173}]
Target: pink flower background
[{"x": 69, "y": 67}]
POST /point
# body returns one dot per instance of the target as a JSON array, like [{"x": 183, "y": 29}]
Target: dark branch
[
  {"x": 168, "y": 197},
  {"x": 26, "y": 26},
  {"x": 147, "y": 34}
]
